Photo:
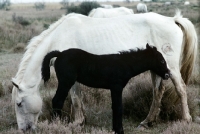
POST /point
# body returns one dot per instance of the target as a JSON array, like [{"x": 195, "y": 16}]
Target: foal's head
[{"x": 158, "y": 63}]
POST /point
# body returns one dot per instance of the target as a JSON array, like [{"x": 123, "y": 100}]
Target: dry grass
[
  {"x": 13, "y": 33},
  {"x": 137, "y": 96},
  {"x": 182, "y": 128}
]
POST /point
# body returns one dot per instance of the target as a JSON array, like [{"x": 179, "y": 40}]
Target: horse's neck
[{"x": 32, "y": 74}]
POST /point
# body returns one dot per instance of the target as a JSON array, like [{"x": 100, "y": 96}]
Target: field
[{"x": 22, "y": 22}]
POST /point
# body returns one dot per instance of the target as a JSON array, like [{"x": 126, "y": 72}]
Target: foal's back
[{"x": 98, "y": 71}]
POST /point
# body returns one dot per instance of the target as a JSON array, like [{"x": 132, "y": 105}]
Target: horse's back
[{"x": 119, "y": 33}]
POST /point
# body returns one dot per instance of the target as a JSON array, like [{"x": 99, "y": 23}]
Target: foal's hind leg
[
  {"x": 181, "y": 91},
  {"x": 60, "y": 96},
  {"x": 116, "y": 96},
  {"x": 77, "y": 107},
  {"x": 158, "y": 90}
]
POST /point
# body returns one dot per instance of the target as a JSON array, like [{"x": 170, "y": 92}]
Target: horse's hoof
[
  {"x": 188, "y": 119},
  {"x": 142, "y": 127}
]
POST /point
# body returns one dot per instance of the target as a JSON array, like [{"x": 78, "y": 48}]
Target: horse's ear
[{"x": 14, "y": 82}]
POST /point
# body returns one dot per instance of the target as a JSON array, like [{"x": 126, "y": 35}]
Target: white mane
[{"x": 30, "y": 49}]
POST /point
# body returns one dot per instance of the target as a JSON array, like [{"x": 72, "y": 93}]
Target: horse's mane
[{"x": 33, "y": 44}]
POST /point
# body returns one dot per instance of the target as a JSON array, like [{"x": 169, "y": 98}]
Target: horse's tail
[
  {"x": 189, "y": 46},
  {"x": 46, "y": 64}
]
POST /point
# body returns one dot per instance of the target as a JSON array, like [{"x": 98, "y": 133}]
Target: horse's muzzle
[{"x": 29, "y": 127}]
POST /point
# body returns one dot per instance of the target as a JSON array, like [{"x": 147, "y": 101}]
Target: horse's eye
[{"x": 19, "y": 104}]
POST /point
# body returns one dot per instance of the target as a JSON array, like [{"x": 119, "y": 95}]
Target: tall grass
[{"x": 18, "y": 27}]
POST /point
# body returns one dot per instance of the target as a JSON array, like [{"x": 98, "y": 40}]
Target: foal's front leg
[
  {"x": 59, "y": 98},
  {"x": 158, "y": 90},
  {"x": 116, "y": 95}
]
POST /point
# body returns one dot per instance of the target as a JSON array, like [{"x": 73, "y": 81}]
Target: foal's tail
[
  {"x": 189, "y": 46},
  {"x": 46, "y": 64}
]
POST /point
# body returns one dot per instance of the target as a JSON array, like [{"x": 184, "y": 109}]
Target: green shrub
[
  {"x": 5, "y": 4},
  {"x": 20, "y": 20},
  {"x": 39, "y": 5},
  {"x": 84, "y": 8},
  {"x": 46, "y": 26},
  {"x": 73, "y": 9}
]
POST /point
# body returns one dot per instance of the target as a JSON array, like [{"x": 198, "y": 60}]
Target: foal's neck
[{"x": 140, "y": 62}]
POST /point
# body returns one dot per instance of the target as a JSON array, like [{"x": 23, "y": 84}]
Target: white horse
[
  {"x": 175, "y": 37},
  {"x": 106, "y": 6},
  {"x": 186, "y": 3},
  {"x": 111, "y": 12},
  {"x": 141, "y": 8},
  {"x": 167, "y": 3}
]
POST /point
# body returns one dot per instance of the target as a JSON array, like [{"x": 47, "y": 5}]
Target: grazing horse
[
  {"x": 108, "y": 13},
  {"x": 141, "y": 8},
  {"x": 174, "y": 37},
  {"x": 111, "y": 71}
]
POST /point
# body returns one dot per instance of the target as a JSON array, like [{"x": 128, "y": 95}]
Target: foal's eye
[
  {"x": 19, "y": 104},
  {"x": 162, "y": 61}
]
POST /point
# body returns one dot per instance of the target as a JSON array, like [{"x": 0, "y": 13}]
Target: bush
[
  {"x": 64, "y": 3},
  {"x": 4, "y": 4},
  {"x": 84, "y": 8},
  {"x": 18, "y": 48},
  {"x": 20, "y": 20},
  {"x": 46, "y": 26},
  {"x": 73, "y": 9},
  {"x": 39, "y": 5}
]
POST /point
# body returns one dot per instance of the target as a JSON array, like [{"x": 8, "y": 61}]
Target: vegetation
[
  {"x": 84, "y": 8},
  {"x": 5, "y": 4},
  {"x": 39, "y": 5},
  {"x": 137, "y": 96},
  {"x": 64, "y": 3}
]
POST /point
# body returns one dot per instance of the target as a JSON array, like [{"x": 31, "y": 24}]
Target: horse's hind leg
[
  {"x": 181, "y": 91},
  {"x": 77, "y": 107},
  {"x": 158, "y": 90},
  {"x": 60, "y": 96}
]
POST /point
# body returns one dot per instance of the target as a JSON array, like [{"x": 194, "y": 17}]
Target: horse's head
[
  {"x": 158, "y": 63},
  {"x": 28, "y": 105}
]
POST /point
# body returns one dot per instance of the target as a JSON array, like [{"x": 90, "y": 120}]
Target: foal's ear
[
  {"x": 149, "y": 47},
  {"x": 14, "y": 82},
  {"x": 154, "y": 48}
]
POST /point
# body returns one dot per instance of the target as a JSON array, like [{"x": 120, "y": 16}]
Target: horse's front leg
[
  {"x": 77, "y": 108},
  {"x": 181, "y": 91},
  {"x": 158, "y": 90},
  {"x": 116, "y": 95}
]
